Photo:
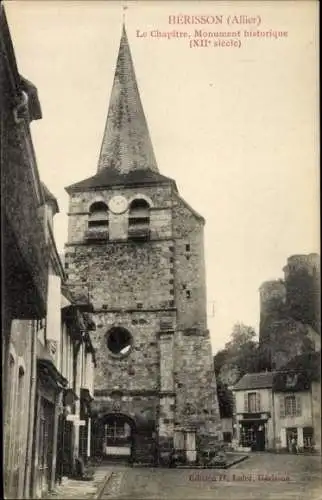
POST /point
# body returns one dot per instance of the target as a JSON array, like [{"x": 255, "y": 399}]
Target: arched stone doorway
[{"x": 115, "y": 436}]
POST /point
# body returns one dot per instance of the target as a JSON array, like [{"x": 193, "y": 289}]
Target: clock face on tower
[{"x": 118, "y": 204}]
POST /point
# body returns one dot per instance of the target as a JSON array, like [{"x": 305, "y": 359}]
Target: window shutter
[
  {"x": 258, "y": 402},
  {"x": 245, "y": 402},
  {"x": 282, "y": 407},
  {"x": 298, "y": 406}
]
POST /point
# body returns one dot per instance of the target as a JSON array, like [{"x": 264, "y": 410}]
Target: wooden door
[{"x": 45, "y": 444}]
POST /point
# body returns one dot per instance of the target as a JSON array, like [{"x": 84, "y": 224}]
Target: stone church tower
[{"x": 137, "y": 248}]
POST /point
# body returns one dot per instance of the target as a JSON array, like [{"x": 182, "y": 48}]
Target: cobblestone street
[
  {"x": 81, "y": 490},
  {"x": 268, "y": 476}
]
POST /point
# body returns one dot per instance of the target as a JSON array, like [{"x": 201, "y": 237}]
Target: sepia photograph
[{"x": 160, "y": 249}]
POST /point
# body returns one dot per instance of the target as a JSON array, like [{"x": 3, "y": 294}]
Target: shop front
[
  {"x": 50, "y": 385},
  {"x": 254, "y": 431}
]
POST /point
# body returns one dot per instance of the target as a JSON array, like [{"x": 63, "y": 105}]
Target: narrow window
[
  {"x": 253, "y": 402},
  {"x": 290, "y": 406},
  {"x": 188, "y": 247}
]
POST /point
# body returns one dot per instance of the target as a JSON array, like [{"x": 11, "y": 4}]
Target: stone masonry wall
[
  {"x": 122, "y": 274},
  {"x": 195, "y": 384},
  {"x": 160, "y": 216},
  {"x": 166, "y": 416},
  {"x": 139, "y": 370},
  {"x": 135, "y": 285},
  {"x": 190, "y": 278},
  {"x": 141, "y": 407},
  {"x": 131, "y": 285}
]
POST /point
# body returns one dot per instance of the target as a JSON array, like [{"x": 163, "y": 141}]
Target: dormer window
[
  {"x": 98, "y": 216},
  {"x": 139, "y": 219}
]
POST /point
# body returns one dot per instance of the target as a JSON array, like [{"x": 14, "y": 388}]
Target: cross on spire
[{"x": 125, "y": 7}]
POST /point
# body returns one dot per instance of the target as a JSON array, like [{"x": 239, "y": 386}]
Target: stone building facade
[
  {"x": 135, "y": 247},
  {"x": 65, "y": 360},
  {"x": 24, "y": 263},
  {"x": 272, "y": 408},
  {"x": 46, "y": 351}
]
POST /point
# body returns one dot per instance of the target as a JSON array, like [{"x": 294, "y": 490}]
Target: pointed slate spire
[{"x": 126, "y": 144}]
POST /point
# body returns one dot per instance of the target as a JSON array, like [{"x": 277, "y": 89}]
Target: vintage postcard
[{"x": 160, "y": 249}]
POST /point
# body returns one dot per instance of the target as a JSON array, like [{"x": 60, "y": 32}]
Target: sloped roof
[
  {"x": 45, "y": 359},
  {"x": 48, "y": 196},
  {"x": 17, "y": 82},
  {"x": 112, "y": 177},
  {"x": 189, "y": 207},
  {"x": 126, "y": 141},
  {"x": 34, "y": 107},
  {"x": 308, "y": 362},
  {"x": 291, "y": 381},
  {"x": 260, "y": 380}
]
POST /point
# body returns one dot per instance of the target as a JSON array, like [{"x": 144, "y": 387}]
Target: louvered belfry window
[
  {"x": 98, "y": 216},
  {"x": 139, "y": 220},
  {"x": 139, "y": 213}
]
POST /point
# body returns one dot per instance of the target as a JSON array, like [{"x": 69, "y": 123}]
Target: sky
[{"x": 235, "y": 126}]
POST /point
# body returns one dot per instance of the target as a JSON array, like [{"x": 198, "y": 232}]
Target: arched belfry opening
[
  {"x": 139, "y": 219},
  {"x": 98, "y": 216}
]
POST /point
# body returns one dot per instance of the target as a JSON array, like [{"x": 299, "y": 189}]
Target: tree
[
  {"x": 225, "y": 400},
  {"x": 241, "y": 354},
  {"x": 220, "y": 358},
  {"x": 240, "y": 336},
  {"x": 243, "y": 349}
]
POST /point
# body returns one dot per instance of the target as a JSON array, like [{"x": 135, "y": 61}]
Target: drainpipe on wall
[
  {"x": 79, "y": 368},
  {"x": 274, "y": 421},
  {"x": 58, "y": 409},
  {"x": 31, "y": 416},
  {"x": 312, "y": 412}
]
